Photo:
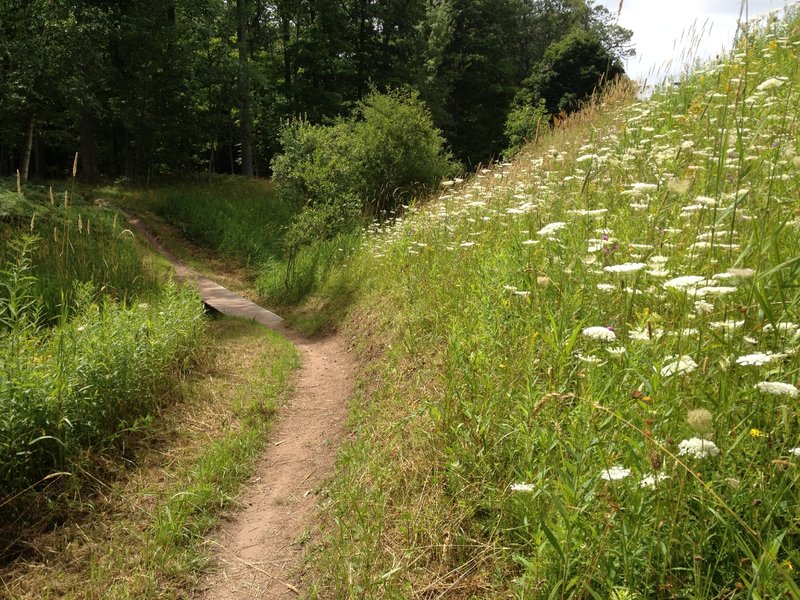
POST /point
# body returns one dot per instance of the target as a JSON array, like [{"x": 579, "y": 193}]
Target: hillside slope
[{"x": 587, "y": 359}]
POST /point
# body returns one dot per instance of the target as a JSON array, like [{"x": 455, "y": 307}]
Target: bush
[
  {"x": 397, "y": 150},
  {"x": 524, "y": 124},
  {"x": 387, "y": 151}
]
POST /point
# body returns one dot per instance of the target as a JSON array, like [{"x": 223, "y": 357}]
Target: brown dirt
[{"x": 259, "y": 548}]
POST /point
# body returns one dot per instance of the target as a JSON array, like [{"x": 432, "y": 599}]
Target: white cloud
[{"x": 670, "y": 34}]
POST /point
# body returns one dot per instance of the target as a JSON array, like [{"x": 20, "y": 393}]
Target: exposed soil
[{"x": 259, "y": 548}]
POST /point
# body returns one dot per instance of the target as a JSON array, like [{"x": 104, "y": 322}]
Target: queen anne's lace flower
[
  {"x": 756, "y": 359},
  {"x": 650, "y": 481},
  {"x": 551, "y": 228},
  {"x": 684, "y": 364},
  {"x": 521, "y": 487},
  {"x": 600, "y": 333},
  {"x": 697, "y": 448},
  {"x": 769, "y": 84},
  {"x": 683, "y": 282},
  {"x": 614, "y": 473},
  {"x": 624, "y": 268},
  {"x": 777, "y": 388}
]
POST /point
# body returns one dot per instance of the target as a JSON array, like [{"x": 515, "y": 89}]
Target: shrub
[
  {"x": 397, "y": 151},
  {"x": 387, "y": 151},
  {"x": 524, "y": 124}
]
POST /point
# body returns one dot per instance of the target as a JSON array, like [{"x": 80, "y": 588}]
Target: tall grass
[
  {"x": 243, "y": 219},
  {"x": 589, "y": 359},
  {"x": 80, "y": 384},
  {"x": 246, "y": 221},
  {"x": 77, "y": 244}
]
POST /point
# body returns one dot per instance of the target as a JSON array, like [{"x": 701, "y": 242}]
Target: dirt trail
[{"x": 259, "y": 548}]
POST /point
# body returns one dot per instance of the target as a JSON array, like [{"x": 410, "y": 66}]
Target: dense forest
[{"x": 153, "y": 87}]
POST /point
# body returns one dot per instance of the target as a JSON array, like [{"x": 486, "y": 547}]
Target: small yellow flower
[
  {"x": 756, "y": 433},
  {"x": 787, "y": 564}
]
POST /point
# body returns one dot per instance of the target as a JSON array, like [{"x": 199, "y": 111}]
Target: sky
[{"x": 663, "y": 31}]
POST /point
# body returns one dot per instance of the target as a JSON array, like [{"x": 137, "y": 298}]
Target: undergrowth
[{"x": 85, "y": 381}]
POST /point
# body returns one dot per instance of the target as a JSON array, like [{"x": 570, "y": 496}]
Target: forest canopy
[{"x": 151, "y": 87}]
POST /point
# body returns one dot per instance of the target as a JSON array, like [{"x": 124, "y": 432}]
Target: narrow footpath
[{"x": 259, "y": 548}]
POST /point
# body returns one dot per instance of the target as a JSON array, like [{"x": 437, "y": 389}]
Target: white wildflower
[
  {"x": 757, "y": 359},
  {"x": 683, "y": 282},
  {"x": 742, "y": 273},
  {"x": 715, "y": 290},
  {"x": 614, "y": 473},
  {"x": 771, "y": 83},
  {"x": 783, "y": 327},
  {"x": 592, "y": 360},
  {"x": 726, "y": 325},
  {"x": 650, "y": 481},
  {"x": 777, "y": 388},
  {"x": 600, "y": 333},
  {"x": 701, "y": 307},
  {"x": 551, "y": 228},
  {"x": 683, "y": 364},
  {"x": 644, "y": 335},
  {"x": 697, "y": 448},
  {"x": 522, "y": 487},
  {"x": 624, "y": 268},
  {"x": 588, "y": 213},
  {"x": 644, "y": 187},
  {"x": 658, "y": 272}
]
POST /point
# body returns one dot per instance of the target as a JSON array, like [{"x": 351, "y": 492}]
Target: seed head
[{"x": 700, "y": 420}]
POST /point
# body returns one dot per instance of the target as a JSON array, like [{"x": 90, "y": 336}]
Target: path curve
[{"x": 259, "y": 548}]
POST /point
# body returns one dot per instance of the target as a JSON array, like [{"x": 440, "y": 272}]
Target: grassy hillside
[{"x": 581, "y": 367}]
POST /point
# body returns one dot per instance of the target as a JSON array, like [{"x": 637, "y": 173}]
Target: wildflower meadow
[{"x": 590, "y": 357}]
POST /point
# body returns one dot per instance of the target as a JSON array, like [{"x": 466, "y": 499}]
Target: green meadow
[{"x": 580, "y": 366}]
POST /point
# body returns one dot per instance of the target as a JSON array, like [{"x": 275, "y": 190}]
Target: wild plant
[{"x": 83, "y": 382}]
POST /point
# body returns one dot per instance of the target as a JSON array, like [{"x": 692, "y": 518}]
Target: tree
[{"x": 571, "y": 71}]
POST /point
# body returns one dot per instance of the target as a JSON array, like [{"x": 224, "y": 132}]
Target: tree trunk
[
  {"x": 287, "y": 61},
  {"x": 244, "y": 88},
  {"x": 38, "y": 160},
  {"x": 26, "y": 157},
  {"x": 361, "y": 49},
  {"x": 88, "y": 146}
]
